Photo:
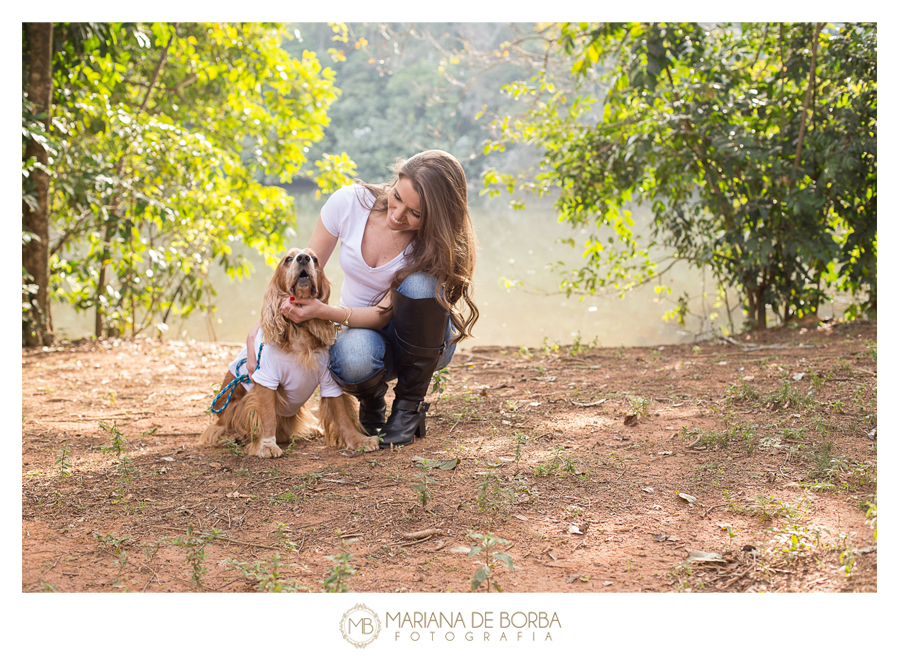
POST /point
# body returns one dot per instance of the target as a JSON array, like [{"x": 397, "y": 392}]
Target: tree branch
[{"x": 809, "y": 87}]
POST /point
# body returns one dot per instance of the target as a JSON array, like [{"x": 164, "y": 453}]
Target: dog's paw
[
  {"x": 264, "y": 449},
  {"x": 363, "y": 443}
]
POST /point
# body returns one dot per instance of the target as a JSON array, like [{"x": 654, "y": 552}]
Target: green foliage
[
  {"x": 336, "y": 580},
  {"x": 425, "y": 482},
  {"x": 753, "y": 144},
  {"x": 493, "y": 496},
  {"x": 63, "y": 464},
  {"x": 117, "y": 446},
  {"x": 786, "y": 397},
  {"x": 194, "y": 546},
  {"x": 490, "y": 561},
  {"x": 558, "y": 462},
  {"x": 117, "y": 545},
  {"x": 268, "y": 576},
  {"x": 412, "y": 80},
  {"x": 161, "y": 133}
]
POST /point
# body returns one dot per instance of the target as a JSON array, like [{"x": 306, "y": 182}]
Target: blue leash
[{"x": 233, "y": 384}]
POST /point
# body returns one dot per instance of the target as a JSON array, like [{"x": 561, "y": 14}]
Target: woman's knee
[
  {"x": 357, "y": 354},
  {"x": 419, "y": 286}
]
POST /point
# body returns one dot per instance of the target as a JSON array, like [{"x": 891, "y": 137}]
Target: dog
[{"x": 274, "y": 408}]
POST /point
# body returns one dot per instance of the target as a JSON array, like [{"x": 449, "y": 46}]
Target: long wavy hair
[{"x": 445, "y": 245}]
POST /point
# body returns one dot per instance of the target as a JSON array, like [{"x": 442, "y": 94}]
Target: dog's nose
[{"x": 303, "y": 258}]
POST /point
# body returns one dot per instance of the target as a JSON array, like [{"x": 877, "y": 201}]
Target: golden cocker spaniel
[{"x": 293, "y": 360}]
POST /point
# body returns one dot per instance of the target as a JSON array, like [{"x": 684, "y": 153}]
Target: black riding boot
[
  {"x": 370, "y": 394},
  {"x": 420, "y": 325}
]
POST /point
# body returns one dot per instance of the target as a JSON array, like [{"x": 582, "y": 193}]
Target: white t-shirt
[
  {"x": 344, "y": 216},
  {"x": 277, "y": 367}
]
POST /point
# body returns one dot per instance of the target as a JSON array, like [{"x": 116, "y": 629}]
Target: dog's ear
[{"x": 271, "y": 321}]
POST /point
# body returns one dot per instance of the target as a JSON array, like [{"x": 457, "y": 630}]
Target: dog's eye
[
  {"x": 288, "y": 259},
  {"x": 315, "y": 260}
]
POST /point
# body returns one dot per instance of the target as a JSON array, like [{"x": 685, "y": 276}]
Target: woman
[{"x": 408, "y": 257}]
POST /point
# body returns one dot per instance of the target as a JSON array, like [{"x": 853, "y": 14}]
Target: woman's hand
[{"x": 299, "y": 310}]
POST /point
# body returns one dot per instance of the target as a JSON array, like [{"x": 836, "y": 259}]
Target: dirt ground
[{"x": 740, "y": 466}]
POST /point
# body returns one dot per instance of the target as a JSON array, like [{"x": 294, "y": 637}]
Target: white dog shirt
[{"x": 278, "y": 368}]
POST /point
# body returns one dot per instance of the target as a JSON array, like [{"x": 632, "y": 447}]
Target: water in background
[{"x": 517, "y": 245}]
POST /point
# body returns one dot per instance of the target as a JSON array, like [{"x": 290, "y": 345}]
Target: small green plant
[
  {"x": 126, "y": 469},
  {"x": 548, "y": 348},
  {"x": 63, "y": 465},
  {"x": 521, "y": 440},
  {"x": 490, "y": 561},
  {"x": 439, "y": 381},
  {"x": 818, "y": 381},
  {"x": 268, "y": 576},
  {"x": 117, "y": 546},
  {"x": 872, "y": 519},
  {"x": 786, "y": 397},
  {"x": 195, "y": 551},
  {"x": 336, "y": 580},
  {"x": 822, "y": 456},
  {"x": 769, "y": 507},
  {"x": 640, "y": 407},
  {"x": 425, "y": 482},
  {"x": 557, "y": 462},
  {"x": 117, "y": 447},
  {"x": 710, "y": 439},
  {"x": 286, "y": 497},
  {"x": 742, "y": 393},
  {"x": 579, "y": 347},
  {"x": 493, "y": 497},
  {"x": 232, "y": 446}
]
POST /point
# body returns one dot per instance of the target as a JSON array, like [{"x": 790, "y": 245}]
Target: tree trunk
[{"x": 38, "y": 330}]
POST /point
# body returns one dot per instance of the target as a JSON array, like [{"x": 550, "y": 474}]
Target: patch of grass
[
  {"x": 268, "y": 576},
  {"x": 233, "y": 447},
  {"x": 742, "y": 392},
  {"x": 558, "y": 463},
  {"x": 822, "y": 455},
  {"x": 786, "y": 397},
  {"x": 766, "y": 507},
  {"x": 710, "y": 439}
]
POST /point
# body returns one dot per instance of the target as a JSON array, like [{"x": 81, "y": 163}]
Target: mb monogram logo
[{"x": 360, "y": 626}]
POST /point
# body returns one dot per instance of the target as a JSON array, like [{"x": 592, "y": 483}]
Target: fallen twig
[
  {"x": 588, "y": 404},
  {"x": 421, "y": 534},
  {"x": 710, "y": 509}
]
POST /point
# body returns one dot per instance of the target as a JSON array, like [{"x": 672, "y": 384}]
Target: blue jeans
[{"x": 357, "y": 354}]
